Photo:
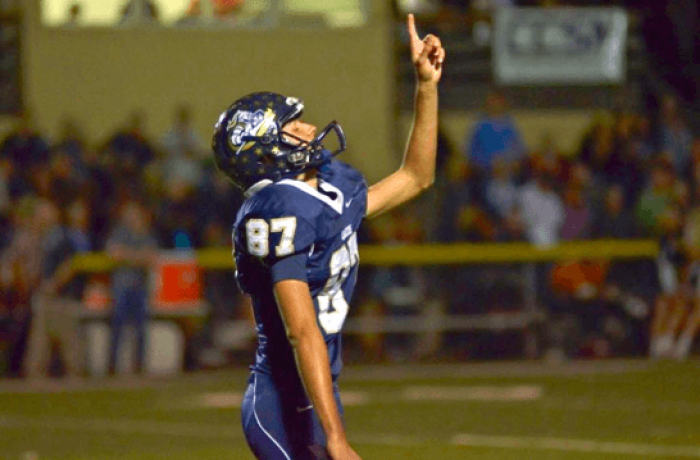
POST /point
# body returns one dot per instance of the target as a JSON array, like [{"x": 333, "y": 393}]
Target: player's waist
[{"x": 285, "y": 370}]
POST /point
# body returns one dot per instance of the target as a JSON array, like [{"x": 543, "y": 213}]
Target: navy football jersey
[{"x": 290, "y": 230}]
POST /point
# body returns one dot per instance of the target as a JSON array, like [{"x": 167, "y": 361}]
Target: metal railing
[{"x": 523, "y": 256}]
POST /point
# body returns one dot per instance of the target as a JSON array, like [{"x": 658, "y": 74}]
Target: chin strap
[{"x": 324, "y": 161}]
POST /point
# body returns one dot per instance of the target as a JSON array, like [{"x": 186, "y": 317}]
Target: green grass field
[{"x": 579, "y": 410}]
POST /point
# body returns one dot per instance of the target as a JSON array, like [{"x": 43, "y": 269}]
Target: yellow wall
[{"x": 99, "y": 75}]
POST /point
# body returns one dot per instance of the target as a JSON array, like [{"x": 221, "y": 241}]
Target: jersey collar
[
  {"x": 336, "y": 204},
  {"x": 256, "y": 187}
]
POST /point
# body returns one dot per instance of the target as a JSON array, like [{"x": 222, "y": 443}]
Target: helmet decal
[{"x": 245, "y": 125}]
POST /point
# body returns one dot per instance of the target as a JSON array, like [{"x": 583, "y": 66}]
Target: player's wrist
[
  {"x": 336, "y": 437},
  {"x": 426, "y": 86}
]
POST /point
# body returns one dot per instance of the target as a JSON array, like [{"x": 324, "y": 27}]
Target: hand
[
  {"x": 427, "y": 55},
  {"x": 341, "y": 450}
]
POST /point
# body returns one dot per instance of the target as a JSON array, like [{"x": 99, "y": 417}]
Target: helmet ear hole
[{"x": 297, "y": 158}]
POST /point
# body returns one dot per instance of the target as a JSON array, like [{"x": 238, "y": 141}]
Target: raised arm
[
  {"x": 299, "y": 316},
  {"x": 417, "y": 172}
]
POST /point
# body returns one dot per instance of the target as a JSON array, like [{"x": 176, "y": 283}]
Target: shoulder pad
[{"x": 285, "y": 198}]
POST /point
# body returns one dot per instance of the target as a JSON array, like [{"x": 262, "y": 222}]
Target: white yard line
[
  {"x": 575, "y": 445},
  {"x": 458, "y": 393},
  {"x": 234, "y": 400},
  {"x": 472, "y": 393},
  {"x": 361, "y": 373}
]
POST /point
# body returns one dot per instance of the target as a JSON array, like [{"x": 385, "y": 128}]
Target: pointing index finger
[{"x": 412, "y": 27}]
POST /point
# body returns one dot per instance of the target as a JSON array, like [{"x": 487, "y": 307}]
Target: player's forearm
[
  {"x": 314, "y": 368},
  {"x": 299, "y": 316},
  {"x": 418, "y": 169},
  {"x": 421, "y": 151}
]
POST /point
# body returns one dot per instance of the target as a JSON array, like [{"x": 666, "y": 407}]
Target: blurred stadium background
[{"x": 542, "y": 301}]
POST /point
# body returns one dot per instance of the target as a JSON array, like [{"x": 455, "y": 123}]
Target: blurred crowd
[
  {"x": 128, "y": 196},
  {"x": 633, "y": 176},
  {"x": 630, "y": 178},
  {"x": 172, "y": 179}
]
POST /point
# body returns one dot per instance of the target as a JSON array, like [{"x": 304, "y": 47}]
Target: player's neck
[{"x": 309, "y": 177}]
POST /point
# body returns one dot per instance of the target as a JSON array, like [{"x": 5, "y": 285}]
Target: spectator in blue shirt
[
  {"x": 501, "y": 193},
  {"x": 133, "y": 246},
  {"x": 494, "y": 136}
]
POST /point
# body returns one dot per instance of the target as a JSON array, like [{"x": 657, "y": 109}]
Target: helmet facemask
[{"x": 309, "y": 154}]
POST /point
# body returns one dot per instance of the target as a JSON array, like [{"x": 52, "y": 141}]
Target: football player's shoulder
[
  {"x": 346, "y": 171},
  {"x": 281, "y": 200}
]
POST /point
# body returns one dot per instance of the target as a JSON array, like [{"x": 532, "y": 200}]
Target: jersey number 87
[
  {"x": 332, "y": 305},
  {"x": 258, "y": 233}
]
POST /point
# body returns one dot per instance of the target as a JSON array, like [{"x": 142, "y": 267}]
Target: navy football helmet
[{"x": 250, "y": 143}]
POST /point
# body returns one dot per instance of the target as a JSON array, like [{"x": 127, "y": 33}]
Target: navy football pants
[{"x": 276, "y": 430}]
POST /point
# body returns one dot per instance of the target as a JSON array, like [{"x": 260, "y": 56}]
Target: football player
[
  {"x": 676, "y": 320},
  {"x": 296, "y": 252}
]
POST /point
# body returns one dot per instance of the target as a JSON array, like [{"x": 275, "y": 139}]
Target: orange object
[
  {"x": 97, "y": 296},
  {"x": 221, "y": 7},
  {"x": 177, "y": 281},
  {"x": 568, "y": 277},
  {"x": 227, "y": 6}
]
